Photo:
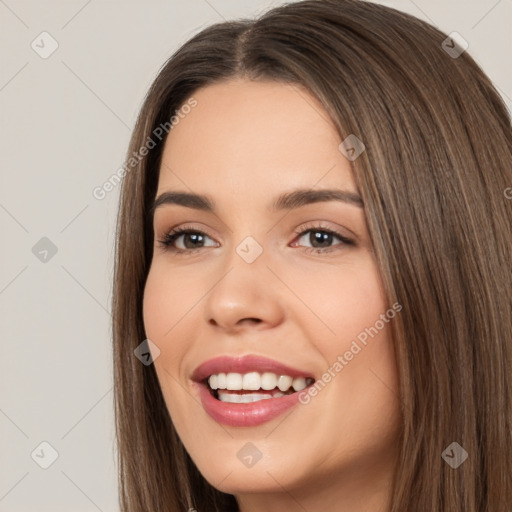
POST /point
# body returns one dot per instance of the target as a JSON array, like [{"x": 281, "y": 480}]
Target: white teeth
[
  {"x": 299, "y": 383},
  {"x": 221, "y": 381},
  {"x": 242, "y": 399},
  {"x": 253, "y": 381},
  {"x": 284, "y": 382},
  {"x": 268, "y": 381},
  {"x": 234, "y": 381}
]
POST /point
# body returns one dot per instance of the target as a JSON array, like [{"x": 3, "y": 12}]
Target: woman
[{"x": 313, "y": 266}]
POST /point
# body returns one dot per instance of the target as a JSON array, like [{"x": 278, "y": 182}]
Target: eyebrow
[{"x": 286, "y": 201}]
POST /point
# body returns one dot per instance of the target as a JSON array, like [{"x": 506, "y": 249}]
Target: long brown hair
[{"x": 433, "y": 178}]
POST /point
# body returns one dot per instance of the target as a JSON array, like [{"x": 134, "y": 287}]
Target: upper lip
[{"x": 245, "y": 364}]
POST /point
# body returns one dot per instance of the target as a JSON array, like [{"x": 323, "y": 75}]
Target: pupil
[
  {"x": 194, "y": 237},
  {"x": 321, "y": 237}
]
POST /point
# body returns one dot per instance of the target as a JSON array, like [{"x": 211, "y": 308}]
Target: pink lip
[
  {"x": 245, "y": 415},
  {"x": 251, "y": 414}
]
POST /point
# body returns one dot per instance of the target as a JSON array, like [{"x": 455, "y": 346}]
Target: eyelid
[{"x": 323, "y": 226}]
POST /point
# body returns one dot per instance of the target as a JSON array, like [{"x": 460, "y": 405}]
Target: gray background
[{"x": 65, "y": 126}]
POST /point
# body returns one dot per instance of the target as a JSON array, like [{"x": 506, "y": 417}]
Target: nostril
[
  {"x": 213, "y": 322},
  {"x": 255, "y": 320}
]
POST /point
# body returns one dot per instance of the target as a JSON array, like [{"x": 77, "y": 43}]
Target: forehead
[{"x": 246, "y": 136}]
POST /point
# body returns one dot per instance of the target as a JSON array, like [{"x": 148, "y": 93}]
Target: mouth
[
  {"x": 248, "y": 390},
  {"x": 238, "y": 388}
]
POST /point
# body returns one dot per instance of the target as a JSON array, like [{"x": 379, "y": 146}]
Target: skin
[{"x": 244, "y": 144}]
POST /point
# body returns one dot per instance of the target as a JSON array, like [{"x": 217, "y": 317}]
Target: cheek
[
  {"x": 162, "y": 307},
  {"x": 345, "y": 299},
  {"x": 165, "y": 301},
  {"x": 155, "y": 303},
  {"x": 164, "y": 304}
]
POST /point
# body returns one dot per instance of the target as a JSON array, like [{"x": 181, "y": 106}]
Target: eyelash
[{"x": 170, "y": 238}]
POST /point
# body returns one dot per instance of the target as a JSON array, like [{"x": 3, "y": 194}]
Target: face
[{"x": 273, "y": 294}]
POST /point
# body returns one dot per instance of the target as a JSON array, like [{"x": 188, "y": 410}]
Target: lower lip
[{"x": 245, "y": 415}]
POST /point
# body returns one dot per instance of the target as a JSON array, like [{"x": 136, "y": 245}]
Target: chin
[{"x": 266, "y": 476}]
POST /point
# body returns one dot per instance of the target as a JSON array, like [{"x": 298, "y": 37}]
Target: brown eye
[
  {"x": 322, "y": 238},
  {"x": 192, "y": 240}
]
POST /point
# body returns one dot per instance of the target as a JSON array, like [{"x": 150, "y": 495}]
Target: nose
[{"x": 246, "y": 296}]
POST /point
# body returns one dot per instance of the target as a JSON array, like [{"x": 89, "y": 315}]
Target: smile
[{"x": 253, "y": 391}]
